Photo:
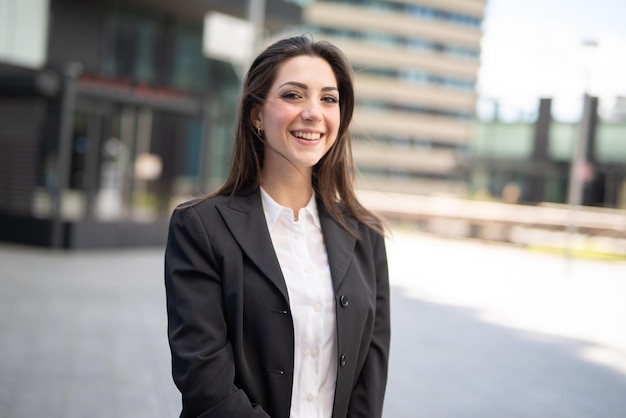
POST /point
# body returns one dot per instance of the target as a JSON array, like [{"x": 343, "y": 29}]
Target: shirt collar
[{"x": 273, "y": 210}]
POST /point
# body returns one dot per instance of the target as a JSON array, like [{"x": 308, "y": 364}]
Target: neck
[{"x": 291, "y": 190}]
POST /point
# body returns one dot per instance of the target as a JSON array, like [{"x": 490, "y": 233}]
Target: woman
[{"x": 277, "y": 285}]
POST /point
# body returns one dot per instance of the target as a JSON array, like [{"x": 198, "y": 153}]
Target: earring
[{"x": 258, "y": 131}]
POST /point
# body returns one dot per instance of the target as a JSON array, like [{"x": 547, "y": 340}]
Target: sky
[{"x": 535, "y": 48}]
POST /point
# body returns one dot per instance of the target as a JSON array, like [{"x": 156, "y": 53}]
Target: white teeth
[{"x": 309, "y": 136}]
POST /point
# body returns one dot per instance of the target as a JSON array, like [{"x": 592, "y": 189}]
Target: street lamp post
[{"x": 580, "y": 169}]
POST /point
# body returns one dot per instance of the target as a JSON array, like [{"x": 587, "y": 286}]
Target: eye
[
  {"x": 330, "y": 99},
  {"x": 291, "y": 95}
]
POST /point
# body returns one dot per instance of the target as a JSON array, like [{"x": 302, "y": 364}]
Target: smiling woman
[{"x": 277, "y": 283}]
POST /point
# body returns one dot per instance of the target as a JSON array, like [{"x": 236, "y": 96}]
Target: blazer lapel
[
  {"x": 246, "y": 221},
  {"x": 339, "y": 245}
]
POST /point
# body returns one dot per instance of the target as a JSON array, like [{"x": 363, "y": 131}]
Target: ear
[{"x": 255, "y": 117}]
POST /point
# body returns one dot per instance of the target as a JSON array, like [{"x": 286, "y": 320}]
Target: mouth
[{"x": 308, "y": 136}]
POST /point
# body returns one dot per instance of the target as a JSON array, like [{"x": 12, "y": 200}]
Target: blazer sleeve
[
  {"x": 368, "y": 394},
  {"x": 203, "y": 366}
]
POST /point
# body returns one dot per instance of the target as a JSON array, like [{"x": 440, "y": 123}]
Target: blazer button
[
  {"x": 342, "y": 360},
  {"x": 343, "y": 301}
]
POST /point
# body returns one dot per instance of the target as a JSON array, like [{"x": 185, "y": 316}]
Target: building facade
[
  {"x": 416, "y": 65},
  {"x": 110, "y": 114},
  {"x": 531, "y": 163}
]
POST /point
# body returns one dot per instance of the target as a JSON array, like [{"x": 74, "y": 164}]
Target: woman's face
[{"x": 300, "y": 117}]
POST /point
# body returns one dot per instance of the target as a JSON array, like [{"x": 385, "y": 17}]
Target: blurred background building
[
  {"x": 522, "y": 161},
  {"x": 110, "y": 113},
  {"x": 108, "y": 109},
  {"x": 416, "y": 65}
]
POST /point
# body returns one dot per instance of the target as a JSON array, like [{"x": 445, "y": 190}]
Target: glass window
[
  {"x": 144, "y": 59},
  {"x": 190, "y": 65}
]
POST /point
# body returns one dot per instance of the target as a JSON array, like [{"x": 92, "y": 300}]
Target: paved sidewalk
[
  {"x": 83, "y": 335},
  {"x": 478, "y": 331},
  {"x": 491, "y": 331}
]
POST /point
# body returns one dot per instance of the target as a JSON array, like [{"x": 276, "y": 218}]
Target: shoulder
[
  {"x": 200, "y": 209},
  {"x": 369, "y": 233},
  {"x": 202, "y": 202},
  {"x": 209, "y": 206},
  {"x": 363, "y": 222},
  {"x": 363, "y": 228},
  {"x": 200, "y": 218},
  {"x": 207, "y": 203}
]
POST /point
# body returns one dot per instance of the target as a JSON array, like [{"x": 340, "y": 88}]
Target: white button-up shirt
[{"x": 299, "y": 246}]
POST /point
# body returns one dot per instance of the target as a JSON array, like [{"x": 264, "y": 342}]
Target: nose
[{"x": 312, "y": 111}]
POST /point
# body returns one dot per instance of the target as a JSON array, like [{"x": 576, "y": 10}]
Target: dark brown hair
[{"x": 333, "y": 175}]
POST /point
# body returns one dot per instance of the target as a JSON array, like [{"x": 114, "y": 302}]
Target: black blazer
[{"x": 229, "y": 323}]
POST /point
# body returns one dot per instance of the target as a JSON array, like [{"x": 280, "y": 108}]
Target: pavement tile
[
  {"x": 40, "y": 395},
  {"x": 8, "y": 392},
  {"x": 91, "y": 396},
  {"x": 137, "y": 400}
]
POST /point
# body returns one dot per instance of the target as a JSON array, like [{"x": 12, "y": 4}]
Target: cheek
[
  {"x": 336, "y": 118},
  {"x": 335, "y": 137},
  {"x": 277, "y": 112}
]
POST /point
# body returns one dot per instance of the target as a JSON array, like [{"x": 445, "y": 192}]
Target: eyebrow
[{"x": 305, "y": 87}]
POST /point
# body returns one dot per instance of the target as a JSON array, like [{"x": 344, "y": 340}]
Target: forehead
[{"x": 306, "y": 69}]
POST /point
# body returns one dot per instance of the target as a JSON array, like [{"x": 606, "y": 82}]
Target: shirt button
[
  {"x": 309, "y": 398},
  {"x": 317, "y": 307},
  {"x": 308, "y": 269},
  {"x": 314, "y": 352}
]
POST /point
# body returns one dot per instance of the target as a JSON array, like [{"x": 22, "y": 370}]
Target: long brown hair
[{"x": 333, "y": 175}]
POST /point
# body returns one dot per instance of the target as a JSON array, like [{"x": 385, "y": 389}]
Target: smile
[{"x": 309, "y": 136}]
